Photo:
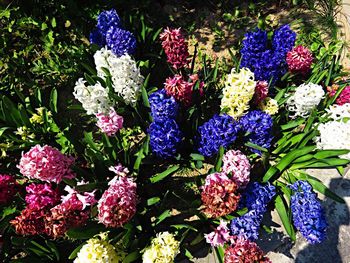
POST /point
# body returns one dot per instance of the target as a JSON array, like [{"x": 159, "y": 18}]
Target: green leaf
[
  {"x": 292, "y": 124},
  {"x": 8, "y": 211},
  {"x": 220, "y": 253},
  {"x": 85, "y": 232},
  {"x": 270, "y": 172},
  {"x": 288, "y": 158},
  {"x": 163, "y": 216},
  {"x": 53, "y": 100},
  {"x": 254, "y": 146},
  {"x": 181, "y": 226},
  {"x": 167, "y": 172},
  {"x": 219, "y": 159},
  {"x": 197, "y": 157},
  {"x": 153, "y": 200},
  {"x": 131, "y": 257},
  {"x": 330, "y": 153},
  {"x": 282, "y": 212},
  {"x": 144, "y": 92},
  {"x": 88, "y": 138},
  {"x": 74, "y": 253}
]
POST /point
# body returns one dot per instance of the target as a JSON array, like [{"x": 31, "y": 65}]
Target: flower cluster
[
  {"x": 261, "y": 91},
  {"x": 269, "y": 105},
  {"x": 165, "y": 138},
  {"x": 46, "y": 164},
  {"x": 255, "y": 198},
  {"x": 118, "y": 203},
  {"x": 257, "y": 126},
  {"x": 308, "y": 215},
  {"x": 38, "y": 118},
  {"x": 175, "y": 47},
  {"x": 221, "y": 130},
  {"x": 98, "y": 250},
  {"x": 163, "y": 248},
  {"x": 236, "y": 164},
  {"x": 219, "y": 236},
  {"x": 339, "y": 112},
  {"x": 334, "y": 135},
  {"x": 8, "y": 188},
  {"x": 94, "y": 99},
  {"x": 163, "y": 107},
  {"x": 41, "y": 196},
  {"x": 344, "y": 96},
  {"x": 180, "y": 89},
  {"x": 238, "y": 92},
  {"x": 109, "y": 32},
  {"x": 245, "y": 251},
  {"x": 299, "y": 60},
  {"x": 219, "y": 195},
  {"x": 126, "y": 77},
  {"x": 109, "y": 124},
  {"x": 267, "y": 63},
  {"x": 305, "y": 98}
]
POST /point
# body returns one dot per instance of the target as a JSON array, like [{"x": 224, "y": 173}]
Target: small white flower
[
  {"x": 306, "y": 97},
  {"x": 93, "y": 98},
  {"x": 339, "y": 112}
]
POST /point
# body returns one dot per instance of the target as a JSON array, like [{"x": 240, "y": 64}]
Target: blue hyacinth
[
  {"x": 97, "y": 38},
  {"x": 308, "y": 215},
  {"x": 120, "y": 41},
  {"x": 221, "y": 130},
  {"x": 163, "y": 107},
  {"x": 257, "y": 126},
  {"x": 283, "y": 39},
  {"x": 256, "y": 198},
  {"x": 165, "y": 138},
  {"x": 106, "y": 20}
]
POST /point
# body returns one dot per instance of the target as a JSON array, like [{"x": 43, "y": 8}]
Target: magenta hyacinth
[
  {"x": 110, "y": 124},
  {"x": 344, "y": 96},
  {"x": 219, "y": 236},
  {"x": 8, "y": 188},
  {"x": 299, "y": 60},
  {"x": 118, "y": 203},
  {"x": 175, "y": 47},
  {"x": 46, "y": 163},
  {"x": 40, "y": 196},
  {"x": 261, "y": 91},
  {"x": 236, "y": 164}
]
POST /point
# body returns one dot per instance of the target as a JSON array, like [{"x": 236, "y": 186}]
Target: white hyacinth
[
  {"x": 126, "y": 77},
  {"x": 334, "y": 135},
  {"x": 306, "y": 97},
  {"x": 93, "y": 98},
  {"x": 339, "y": 112}
]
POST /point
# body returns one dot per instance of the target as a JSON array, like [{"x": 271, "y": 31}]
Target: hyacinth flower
[
  {"x": 308, "y": 215},
  {"x": 163, "y": 106},
  {"x": 299, "y": 60},
  {"x": 221, "y": 130},
  {"x": 344, "y": 96},
  {"x": 109, "y": 124},
  {"x": 8, "y": 188},
  {"x": 219, "y": 195},
  {"x": 175, "y": 47},
  {"x": 219, "y": 236}
]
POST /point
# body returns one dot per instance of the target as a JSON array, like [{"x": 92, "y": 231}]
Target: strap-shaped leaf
[
  {"x": 283, "y": 213},
  {"x": 167, "y": 172}
]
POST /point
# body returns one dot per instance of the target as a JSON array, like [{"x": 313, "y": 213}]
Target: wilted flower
[
  {"x": 344, "y": 96},
  {"x": 245, "y": 251},
  {"x": 175, "y": 47},
  {"x": 109, "y": 124},
  {"x": 118, "y": 203},
  {"x": 236, "y": 164},
  {"x": 41, "y": 196},
  {"x": 99, "y": 250},
  {"x": 120, "y": 41},
  {"x": 94, "y": 99},
  {"x": 219, "y": 236},
  {"x": 8, "y": 188},
  {"x": 165, "y": 138},
  {"x": 221, "y": 130},
  {"x": 219, "y": 195},
  {"x": 46, "y": 164},
  {"x": 305, "y": 98},
  {"x": 269, "y": 105},
  {"x": 308, "y": 215},
  {"x": 25, "y": 134},
  {"x": 299, "y": 60},
  {"x": 239, "y": 90},
  {"x": 163, "y": 248}
]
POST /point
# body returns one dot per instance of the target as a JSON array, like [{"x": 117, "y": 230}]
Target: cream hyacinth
[
  {"x": 269, "y": 105},
  {"x": 126, "y": 77},
  {"x": 305, "y": 98},
  {"x": 94, "y": 99},
  {"x": 163, "y": 249},
  {"x": 98, "y": 250},
  {"x": 239, "y": 90}
]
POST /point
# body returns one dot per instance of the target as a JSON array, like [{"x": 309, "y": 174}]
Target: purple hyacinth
[
  {"x": 221, "y": 130},
  {"x": 106, "y": 20},
  {"x": 257, "y": 126},
  {"x": 163, "y": 107},
  {"x": 120, "y": 41},
  {"x": 165, "y": 138},
  {"x": 308, "y": 215}
]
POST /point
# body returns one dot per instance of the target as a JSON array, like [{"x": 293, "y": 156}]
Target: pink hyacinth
[
  {"x": 237, "y": 164},
  {"x": 219, "y": 236},
  {"x": 111, "y": 123},
  {"x": 40, "y": 196},
  {"x": 261, "y": 91},
  {"x": 175, "y": 47},
  {"x": 118, "y": 203},
  {"x": 245, "y": 251},
  {"x": 180, "y": 89},
  {"x": 46, "y": 164},
  {"x": 344, "y": 96},
  {"x": 219, "y": 195},
  {"x": 8, "y": 188},
  {"x": 299, "y": 60}
]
